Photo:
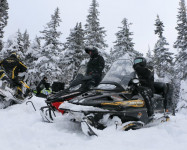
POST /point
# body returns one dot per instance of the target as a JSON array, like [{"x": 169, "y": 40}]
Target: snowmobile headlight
[
  {"x": 74, "y": 88},
  {"x": 135, "y": 81}
]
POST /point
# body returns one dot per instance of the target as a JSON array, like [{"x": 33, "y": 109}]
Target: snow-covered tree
[
  {"x": 33, "y": 53},
  {"x": 181, "y": 42},
  {"x": 26, "y": 41},
  {"x": 123, "y": 43},
  {"x": 149, "y": 57},
  {"x": 162, "y": 56},
  {"x": 74, "y": 52},
  {"x": 180, "y": 68},
  {"x": 94, "y": 34},
  {"x": 48, "y": 63},
  {"x": 13, "y": 44},
  {"x": 3, "y": 19},
  {"x": 50, "y": 34}
]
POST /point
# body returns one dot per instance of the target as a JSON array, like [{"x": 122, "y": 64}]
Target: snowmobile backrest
[
  {"x": 160, "y": 88},
  {"x": 57, "y": 86}
]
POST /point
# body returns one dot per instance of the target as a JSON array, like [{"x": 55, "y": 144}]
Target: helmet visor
[{"x": 139, "y": 60}]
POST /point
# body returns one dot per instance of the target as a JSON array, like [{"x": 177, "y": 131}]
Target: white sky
[{"x": 34, "y": 14}]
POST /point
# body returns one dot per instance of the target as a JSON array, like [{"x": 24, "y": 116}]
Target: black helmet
[
  {"x": 140, "y": 60},
  {"x": 93, "y": 49},
  {"x": 14, "y": 55}
]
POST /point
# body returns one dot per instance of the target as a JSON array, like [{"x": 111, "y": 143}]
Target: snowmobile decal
[
  {"x": 25, "y": 85},
  {"x": 131, "y": 103}
]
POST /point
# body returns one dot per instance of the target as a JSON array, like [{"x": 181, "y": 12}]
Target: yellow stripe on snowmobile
[
  {"x": 126, "y": 92},
  {"x": 132, "y": 103},
  {"x": 23, "y": 64},
  {"x": 25, "y": 85},
  {"x": 13, "y": 72},
  {"x": 2, "y": 75},
  {"x": 18, "y": 88}
]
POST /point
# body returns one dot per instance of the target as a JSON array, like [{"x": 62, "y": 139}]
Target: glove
[{"x": 87, "y": 77}]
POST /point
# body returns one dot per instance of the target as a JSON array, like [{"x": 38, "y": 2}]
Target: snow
[{"x": 22, "y": 128}]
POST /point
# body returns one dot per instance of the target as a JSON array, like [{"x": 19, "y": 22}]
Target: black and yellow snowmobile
[
  {"x": 114, "y": 102},
  {"x": 7, "y": 90}
]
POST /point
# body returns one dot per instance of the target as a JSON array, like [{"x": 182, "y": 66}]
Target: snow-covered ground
[{"x": 22, "y": 128}]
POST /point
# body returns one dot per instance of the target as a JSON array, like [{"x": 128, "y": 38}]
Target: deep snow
[{"x": 22, "y": 128}]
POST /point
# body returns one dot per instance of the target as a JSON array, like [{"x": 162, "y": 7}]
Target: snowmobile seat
[
  {"x": 160, "y": 88},
  {"x": 57, "y": 86}
]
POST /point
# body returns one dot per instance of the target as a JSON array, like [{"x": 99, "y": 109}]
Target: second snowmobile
[
  {"x": 114, "y": 102},
  {"x": 7, "y": 96}
]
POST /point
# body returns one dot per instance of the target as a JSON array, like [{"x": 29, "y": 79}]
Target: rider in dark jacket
[
  {"x": 95, "y": 66},
  {"x": 13, "y": 66},
  {"x": 43, "y": 83},
  {"x": 146, "y": 76}
]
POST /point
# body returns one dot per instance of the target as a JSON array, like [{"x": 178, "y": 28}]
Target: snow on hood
[{"x": 73, "y": 107}]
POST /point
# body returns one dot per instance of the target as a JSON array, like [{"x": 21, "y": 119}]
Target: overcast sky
[{"x": 34, "y": 14}]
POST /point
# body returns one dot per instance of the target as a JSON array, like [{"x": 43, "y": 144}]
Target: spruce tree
[
  {"x": 49, "y": 62},
  {"x": 14, "y": 44},
  {"x": 162, "y": 56},
  {"x": 123, "y": 44},
  {"x": 181, "y": 42},
  {"x": 74, "y": 52},
  {"x": 180, "y": 68},
  {"x": 3, "y": 19},
  {"x": 94, "y": 34}
]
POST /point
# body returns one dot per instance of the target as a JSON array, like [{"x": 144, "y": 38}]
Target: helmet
[
  {"x": 140, "y": 60},
  {"x": 14, "y": 55},
  {"x": 93, "y": 50}
]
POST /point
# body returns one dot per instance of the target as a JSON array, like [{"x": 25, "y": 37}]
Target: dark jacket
[
  {"x": 95, "y": 68},
  {"x": 145, "y": 75},
  {"x": 43, "y": 84},
  {"x": 13, "y": 66}
]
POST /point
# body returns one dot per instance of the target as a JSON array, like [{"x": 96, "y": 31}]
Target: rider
[
  {"x": 43, "y": 83},
  {"x": 12, "y": 67},
  {"x": 95, "y": 67},
  {"x": 146, "y": 77}
]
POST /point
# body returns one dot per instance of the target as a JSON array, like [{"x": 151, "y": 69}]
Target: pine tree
[
  {"x": 26, "y": 41},
  {"x": 180, "y": 68},
  {"x": 50, "y": 34},
  {"x": 123, "y": 43},
  {"x": 94, "y": 34},
  {"x": 74, "y": 52},
  {"x": 14, "y": 44},
  {"x": 48, "y": 63},
  {"x": 3, "y": 19},
  {"x": 149, "y": 57},
  {"x": 162, "y": 56},
  {"x": 181, "y": 42}
]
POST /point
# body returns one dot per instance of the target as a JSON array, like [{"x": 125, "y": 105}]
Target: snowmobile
[
  {"x": 77, "y": 87},
  {"x": 7, "y": 96},
  {"x": 113, "y": 101}
]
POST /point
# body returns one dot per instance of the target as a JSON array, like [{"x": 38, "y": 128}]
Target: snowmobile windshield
[
  {"x": 120, "y": 72},
  {"x": 81, "y": 71}
]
